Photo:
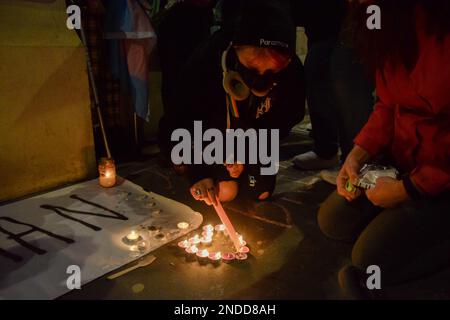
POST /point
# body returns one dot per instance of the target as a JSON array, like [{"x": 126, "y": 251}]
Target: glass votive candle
[{"x": 107, "y": 173}]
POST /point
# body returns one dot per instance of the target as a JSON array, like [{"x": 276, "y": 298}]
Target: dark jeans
[
  {"x": 339, "y": 96},
  {"x": 406, "y": 242},
  {"x": 320, "y": 98},
  {"x": 353, "y": 90}
]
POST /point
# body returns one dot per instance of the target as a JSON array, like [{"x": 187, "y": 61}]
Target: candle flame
[
  {"x": 193, "y": 249},
  {"x": 208, "y": 228}
]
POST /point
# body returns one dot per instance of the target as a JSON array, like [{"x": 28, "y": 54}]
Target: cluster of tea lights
[{"x": 191, "y": 246}]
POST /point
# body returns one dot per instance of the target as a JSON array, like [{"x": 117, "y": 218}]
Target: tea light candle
[
  {"x": 244, "y": 249},
  {"x": 183, "y": 225},
  {"x": 190, "y": 253},
  {"x": 202, "y": 256},
  {"x": 192, "y": 249},
  {"x": 228, "y": 257},
  {"x": 183, "y": 244},
  {"x": 208, "y": 228},
  {"x": 195, "y": 239},
  {"x": 133, "y": 235},
  {"x": 241, "y": 256},
  {"x": 203, "y": 253},
  {"x": 241, "y": 240},
  {"x": 107, "y": 172},
  {"x": 215, "y": 257},
  {"x": 206, "y": 234}
]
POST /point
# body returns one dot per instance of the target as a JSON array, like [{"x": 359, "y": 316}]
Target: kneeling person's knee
[{"x": 332, "y": 219}]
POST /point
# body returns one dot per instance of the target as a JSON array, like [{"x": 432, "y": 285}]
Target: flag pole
[{"x": 94, "y": 89}]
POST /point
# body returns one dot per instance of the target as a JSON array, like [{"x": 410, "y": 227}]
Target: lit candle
[
  {"x": 107, "y": 172},
  {"x": 183, "y": 225},
  {"x": 190, "y": 251},
  {"x": 203, "y": 253},
  {"x": 133, "y": 235},
  {"x": 203, "y": 256},
  {"x": 208, "y": 228},
  {"x": 183, "y": 244},
  {"x": 244, "y": 249},
  {"x": 241, "y": 256},
  {"x": 228, "y": 257},
  {"x": 215, "y": 257},
  {"x": 195, "y": 239},
  {"x": 241, "y": 240},
  {"x": 207, "y": 234}
]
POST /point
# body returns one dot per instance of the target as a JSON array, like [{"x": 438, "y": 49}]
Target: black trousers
[
  {"x": 339, "y": 96},
  {"x": 406, "y": 242}
]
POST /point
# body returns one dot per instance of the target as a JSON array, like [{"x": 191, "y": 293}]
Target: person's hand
[
  {"x": 387, "y": 193},
  {"x": 349, "y": 171},
  {"x": 205, "y": 190}
]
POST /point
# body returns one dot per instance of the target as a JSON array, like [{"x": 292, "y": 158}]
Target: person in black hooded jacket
[{"x": 261, "y": 52}]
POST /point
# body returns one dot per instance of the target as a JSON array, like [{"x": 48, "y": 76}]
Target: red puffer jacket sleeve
[
  {"x": 432, "y": 82},
  {"x": 376, "y": 135}
]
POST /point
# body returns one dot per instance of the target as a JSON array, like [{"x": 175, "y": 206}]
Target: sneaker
[
  {"x": 330, "y": 176},
  {"x": 311, "y": 161}
]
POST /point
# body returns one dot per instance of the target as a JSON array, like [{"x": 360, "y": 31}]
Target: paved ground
[{"x": 290, "y": 259}]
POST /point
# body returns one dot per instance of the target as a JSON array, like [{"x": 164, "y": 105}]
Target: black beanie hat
[{"x": 264, "y": 23}]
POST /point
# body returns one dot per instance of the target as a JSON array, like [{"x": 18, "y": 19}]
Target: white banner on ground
[{"x": 82, "y": 225}]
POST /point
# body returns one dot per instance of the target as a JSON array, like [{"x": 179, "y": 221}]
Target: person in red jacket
[{"x": 401, "y": 226}]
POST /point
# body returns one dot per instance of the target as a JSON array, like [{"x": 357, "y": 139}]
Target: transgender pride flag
[{"x": 133, "y": 38}]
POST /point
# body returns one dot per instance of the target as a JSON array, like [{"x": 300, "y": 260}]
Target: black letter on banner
[
  {"x": 59, "y": 210},
  {"x": 18, "y": 236}
]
